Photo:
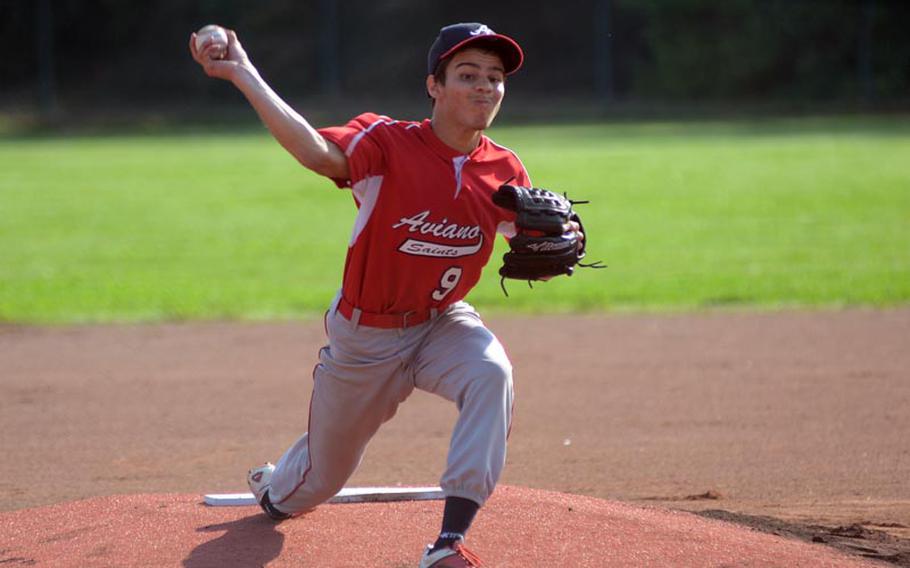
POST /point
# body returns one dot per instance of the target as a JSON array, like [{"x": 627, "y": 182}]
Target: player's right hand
[{"x": 226, "y": 68}]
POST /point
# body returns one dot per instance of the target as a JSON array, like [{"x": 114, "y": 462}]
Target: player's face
[{"x": 473, "y": 91}]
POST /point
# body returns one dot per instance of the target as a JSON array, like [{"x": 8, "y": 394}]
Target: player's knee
[
  {"x": 315, "y": 496},
  {"x": 496, "y": 379},
  {"x": 329, "y": 491}
]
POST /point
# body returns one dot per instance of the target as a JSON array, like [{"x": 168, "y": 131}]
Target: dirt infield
[{"x": 792, "y": 422}]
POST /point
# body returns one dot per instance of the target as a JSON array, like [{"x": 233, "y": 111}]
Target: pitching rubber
[{"x": 346, "y": 495}]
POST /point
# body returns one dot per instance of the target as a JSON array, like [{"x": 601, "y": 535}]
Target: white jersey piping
[
  {"x": 458, "y": 163},
  {"x": 384, "y": 120},
  {"x": 367, "y": 192}
]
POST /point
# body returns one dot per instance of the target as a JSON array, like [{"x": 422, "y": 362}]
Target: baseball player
[{"x": 424, "y": 230}]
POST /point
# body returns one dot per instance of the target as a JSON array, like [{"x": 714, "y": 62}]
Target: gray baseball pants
[{"x": 364, "y": 373}]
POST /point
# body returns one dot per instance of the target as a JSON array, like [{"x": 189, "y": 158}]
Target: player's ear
[{"x": 432, "y": 86}]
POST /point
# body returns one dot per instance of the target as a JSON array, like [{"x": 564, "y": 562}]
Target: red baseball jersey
[{"x": 426, "y": 221}]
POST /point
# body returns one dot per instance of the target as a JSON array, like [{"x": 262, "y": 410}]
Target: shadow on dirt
[
  {"x": 853, "y": 539},
  {"x": 250, "y": 541}
]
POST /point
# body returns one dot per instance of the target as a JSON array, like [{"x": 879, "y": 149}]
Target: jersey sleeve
[
  {"x": 361, "y": 144},
  {"x": 522, "y": 178}
]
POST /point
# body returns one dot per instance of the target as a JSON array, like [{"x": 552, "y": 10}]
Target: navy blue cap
[{"x": 458, "y": 36}]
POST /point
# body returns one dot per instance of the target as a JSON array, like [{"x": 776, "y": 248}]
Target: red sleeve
[
  {"x": 507, "y": 218},
  {"x": 361, "y": 143},
  {"x": 523, "y": 179}
]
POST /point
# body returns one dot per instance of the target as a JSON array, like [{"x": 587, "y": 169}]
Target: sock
[{"x": 456, "y": 520}]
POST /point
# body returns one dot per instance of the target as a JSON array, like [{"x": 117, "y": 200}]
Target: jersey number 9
[{"x": 447, "y": 283}]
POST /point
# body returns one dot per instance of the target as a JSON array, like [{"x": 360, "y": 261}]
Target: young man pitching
[{"x": 424, "y": 230}]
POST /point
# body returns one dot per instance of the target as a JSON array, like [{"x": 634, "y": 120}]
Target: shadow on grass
[{"x": 622, "y": 120}]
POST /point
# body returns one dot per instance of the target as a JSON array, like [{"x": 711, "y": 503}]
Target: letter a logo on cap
[{"x": 482, "y": 30}]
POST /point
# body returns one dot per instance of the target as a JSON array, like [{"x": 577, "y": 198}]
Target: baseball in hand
[{"x": 216, "y": 36}]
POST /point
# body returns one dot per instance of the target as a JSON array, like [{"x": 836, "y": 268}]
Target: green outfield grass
[{"x": 687, "y": 215}]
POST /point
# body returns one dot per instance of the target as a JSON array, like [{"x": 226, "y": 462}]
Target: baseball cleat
[
  {"x": 259, "y": 479},
  {"x": 456, "y": 557}
]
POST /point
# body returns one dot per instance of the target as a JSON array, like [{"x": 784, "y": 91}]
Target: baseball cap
[{"x": 457, "y": 36}]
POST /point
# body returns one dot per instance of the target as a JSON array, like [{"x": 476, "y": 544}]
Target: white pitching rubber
[
  {"x": 229, "y": 499},
  {"x": 346, "y": 495}
]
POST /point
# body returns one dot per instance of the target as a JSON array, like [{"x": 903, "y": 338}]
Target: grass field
[{"x": 802, "y": 212}]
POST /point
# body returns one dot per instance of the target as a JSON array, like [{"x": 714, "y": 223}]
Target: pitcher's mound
[{"x": 518, "y": 528}]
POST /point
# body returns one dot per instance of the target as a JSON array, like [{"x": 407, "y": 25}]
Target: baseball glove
[{"x": 544, "y": 245}]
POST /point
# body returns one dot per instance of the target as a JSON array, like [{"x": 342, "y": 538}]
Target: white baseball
[{"x": 216, "y": 36}]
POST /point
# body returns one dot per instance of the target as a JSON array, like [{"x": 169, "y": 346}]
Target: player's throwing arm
[{"x": 230, "y": 62}]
